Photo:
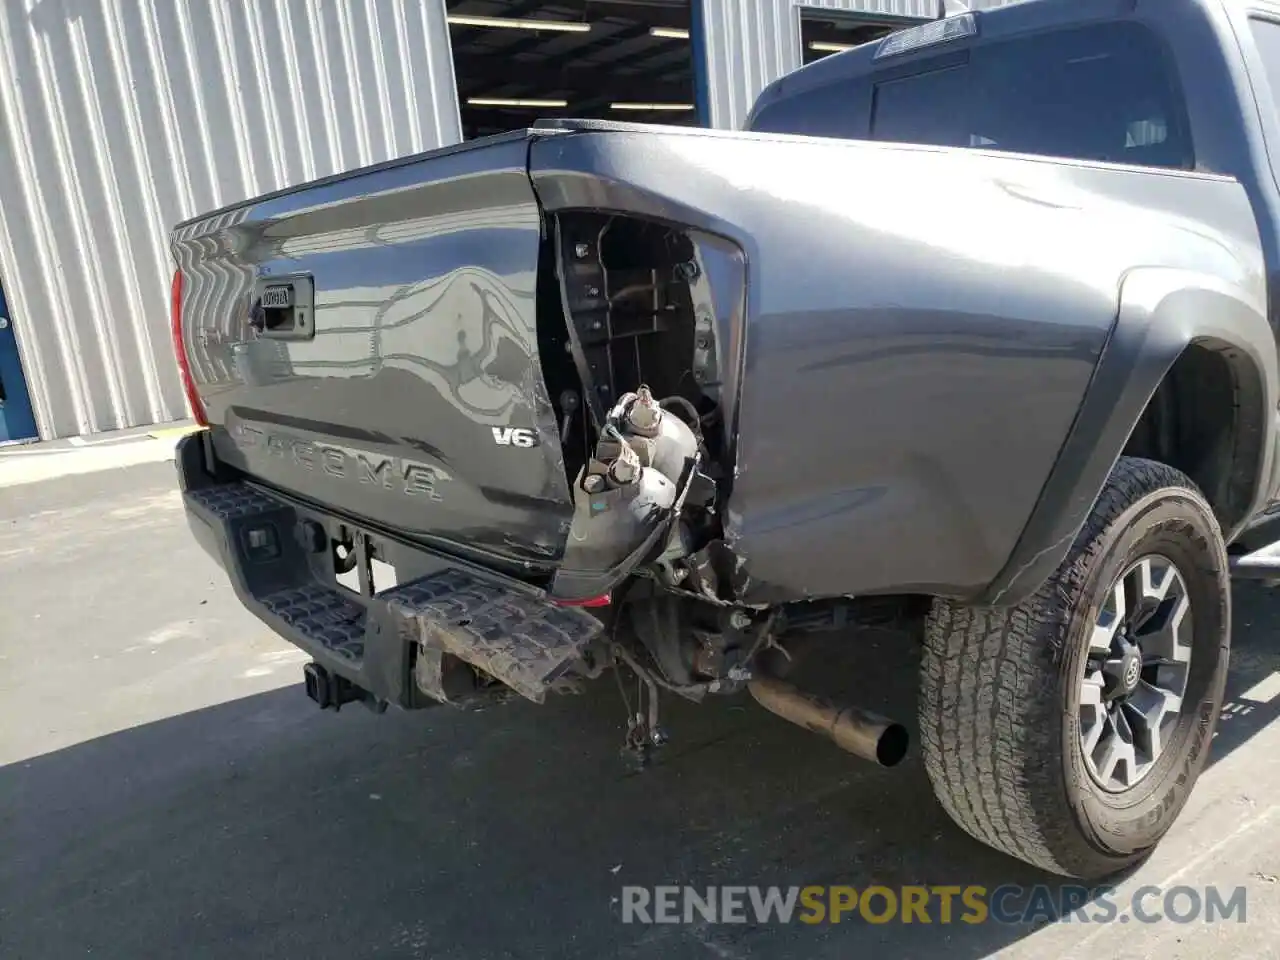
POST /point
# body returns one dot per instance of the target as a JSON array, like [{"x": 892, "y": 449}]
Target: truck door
[{"x": 1263, "y": 62}]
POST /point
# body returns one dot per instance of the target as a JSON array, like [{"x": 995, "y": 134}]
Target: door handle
[{"x": 4, "y": 323}]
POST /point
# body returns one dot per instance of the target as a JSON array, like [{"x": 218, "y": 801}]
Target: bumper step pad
[
  {"x": 322, "y": 615},
  {"x": 504, "y": 629},
  {"x": 233, "y": 501},
  {"x": 522, "y": 640}
]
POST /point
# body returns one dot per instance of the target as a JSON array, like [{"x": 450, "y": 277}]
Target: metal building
[{"x": 120, "y": 118}]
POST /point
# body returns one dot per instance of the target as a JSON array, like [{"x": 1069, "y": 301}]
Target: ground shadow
[
  {"x": 264, "y": 828},
  {"x": 1255, "y": 660}
]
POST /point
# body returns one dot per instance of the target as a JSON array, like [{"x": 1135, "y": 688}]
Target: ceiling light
[
  {"x": 651, "y": 106},
  {"x": 505, "y": 102},
  {"x": 504, "y": 23},
  {"x": 821, "y": 46},
  {"x": 669, "y": 33}
]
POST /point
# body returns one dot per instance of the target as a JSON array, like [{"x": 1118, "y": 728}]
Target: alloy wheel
[{"x": 1136, "y": 672}]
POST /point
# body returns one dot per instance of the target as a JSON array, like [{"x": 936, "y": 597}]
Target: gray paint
[
  {"x": 950, "y": 406},
  {"x": 1162, "y": 311},
  {"x": 1219, "y": 64},
  {"x": 1215, "y": 69},
  {"x": 750, "y": 43},
  {"x": 425, "y": 276},
  {"x": 916, "y": 405},
  {"x": 117, "y": 119}
]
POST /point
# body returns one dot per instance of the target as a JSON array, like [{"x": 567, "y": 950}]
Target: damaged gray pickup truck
[{"x": 971, "y": 325}]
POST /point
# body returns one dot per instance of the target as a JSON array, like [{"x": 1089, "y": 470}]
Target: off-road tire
[{"x": 999, "y": 691}]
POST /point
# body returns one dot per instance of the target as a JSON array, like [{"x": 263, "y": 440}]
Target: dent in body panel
[
  {"x": 948, "y": 364},
  {"x": 957, "y": 442},
  {"x": 922, "y": 326},
  {"x": 922, "y": 448},
  {"x": 425, "y": 342}
]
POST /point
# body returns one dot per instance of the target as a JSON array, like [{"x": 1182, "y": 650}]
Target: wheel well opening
[{"x": 1206, "y": 420}]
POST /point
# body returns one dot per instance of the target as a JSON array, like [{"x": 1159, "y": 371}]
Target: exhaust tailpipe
[{"x": 858, "y": 731}]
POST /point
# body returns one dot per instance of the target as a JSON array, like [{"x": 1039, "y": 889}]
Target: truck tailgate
[{"x": 369, "y": 342}]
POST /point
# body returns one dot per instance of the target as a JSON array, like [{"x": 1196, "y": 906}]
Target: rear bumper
[{"x": 401, "y": 644}]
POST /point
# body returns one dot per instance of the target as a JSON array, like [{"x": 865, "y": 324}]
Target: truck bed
[{"x": 457, "y": 325}]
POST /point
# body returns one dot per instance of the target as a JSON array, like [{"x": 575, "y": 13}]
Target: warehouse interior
[
  {"x": 826, "y": 32},
  {"x": 520, "y": 60}
]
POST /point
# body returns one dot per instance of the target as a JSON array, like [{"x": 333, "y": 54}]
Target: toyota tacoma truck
[{"x": 973, "y": 324}]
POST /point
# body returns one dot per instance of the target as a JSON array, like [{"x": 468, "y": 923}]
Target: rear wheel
[{"x": 1069, "y": 730}]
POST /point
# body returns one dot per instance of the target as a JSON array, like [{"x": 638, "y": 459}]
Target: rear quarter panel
[{"x": 920, "y": 330}]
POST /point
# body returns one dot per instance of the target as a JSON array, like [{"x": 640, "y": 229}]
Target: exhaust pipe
[{"x": 858, "y": 731}]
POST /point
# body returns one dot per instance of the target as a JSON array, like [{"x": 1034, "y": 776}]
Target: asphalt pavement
[{"x": 166, "y": 789}]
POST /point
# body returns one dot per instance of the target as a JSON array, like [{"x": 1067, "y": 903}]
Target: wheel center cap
[{"x": 1132, "y": 672}]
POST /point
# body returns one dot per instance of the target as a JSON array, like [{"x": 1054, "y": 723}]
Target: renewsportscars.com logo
[{"x": 1009, "y": 904}]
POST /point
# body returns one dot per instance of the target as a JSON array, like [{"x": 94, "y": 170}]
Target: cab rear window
[
  {"x": 1104, "y": 92},
  {"x": 1098, "y": 93}
]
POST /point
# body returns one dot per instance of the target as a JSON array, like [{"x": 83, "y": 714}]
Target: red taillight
[
  {"x": 601, "y": 601},
  {"x": 180, "y": 351}
]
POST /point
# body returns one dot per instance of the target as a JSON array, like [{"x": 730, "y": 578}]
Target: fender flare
[{"x": 1162, "y": 312}]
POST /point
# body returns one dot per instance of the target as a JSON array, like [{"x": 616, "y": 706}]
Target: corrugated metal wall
[
  {"x": 118, "y": 118},
  {"x": 751, "y": 43}
]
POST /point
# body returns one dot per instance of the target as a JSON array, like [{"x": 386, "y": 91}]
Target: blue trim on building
[
  {"x": 701, "y": 68},
  {"x": 17, "y": 422}
]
